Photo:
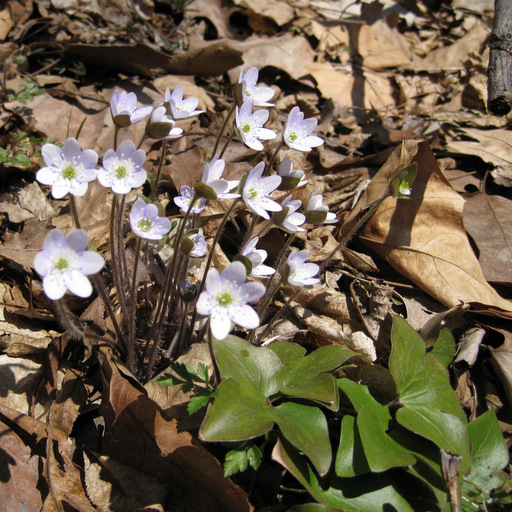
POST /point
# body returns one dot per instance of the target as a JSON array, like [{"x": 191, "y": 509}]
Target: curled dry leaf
[
  {"x": 423, "y": 237},
  {"x": 140, "y": 435}
]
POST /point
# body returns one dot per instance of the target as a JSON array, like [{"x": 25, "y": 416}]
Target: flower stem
[
  {"x": 66, "y": 320},
  {"x": 167, "y": 289},
  {"x": 74, "y": 211},
  {"x": 216, "y": 371},
  {"x": 133, "y": 304},
  {"x": 228, "y": 140},
  {"x": 224, "y": 124},
  {"x": 156, "y": 179}
]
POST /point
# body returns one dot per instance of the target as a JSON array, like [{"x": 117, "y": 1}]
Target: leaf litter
[{"x": 392, "y": 83}]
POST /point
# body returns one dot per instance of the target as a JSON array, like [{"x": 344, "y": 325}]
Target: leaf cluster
[{"x": 388, "y": 454}]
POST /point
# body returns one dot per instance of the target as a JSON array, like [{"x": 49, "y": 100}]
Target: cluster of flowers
[{"x": 224, "y": 296}]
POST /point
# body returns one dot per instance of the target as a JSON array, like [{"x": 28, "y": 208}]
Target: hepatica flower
[
  {"x": 123, "y": 109},
  {"x": 288, "y": 218},
  {"x": 259, "y": 95},
  {"x": 65, "y": 262},
  {"x": 290, "y": 179},
  {"x": 226, "y": 297},
  {"x": 146, "y": 223},
  {"x": 212, "y": 186},
  {"x": 256, "y": 190},
  {"x": 178, "y": 107},
  {"x": 249, "y": 125},
  {"x": 299, "y": 273},
  {"x": 297, "y": 130},
  {"x": 68, "y": 169},
  {"x": 122, "y": 169},
  {"x": 186, "y": 197},
  {"x": 193, "y": 244},
  {"x": 255, "y": 258},
  {"x": 318, "y": 213},
  {"x": 160, "y": 125}
]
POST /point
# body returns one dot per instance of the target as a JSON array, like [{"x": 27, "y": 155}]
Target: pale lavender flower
[
  {"x": 297, "y": 130},
  {"x": 255, "y": 258},
  {"x": 256, "y": 190},
  {"x": 299, "y": 273},
  {"x": 226, "y": 297},
  {"x": 122, "y": 169},
  {"x": 146, "y": 223},
  {"x": 212, "y": 186},
  {"x": 193, "y": 244},
  {"x": 186, "y": 197},
  {"x": 318, "y": 213},
  {"x": 260, "y": 95},
  {"x": 68, "y": 169},
  {"x": 65, "y": 262},
  {"x": 123, "y": 109},
  {"x": 161, "y": 126},
  {"x": 288, "y": 218},
  {"x": 290, "y": 179},
  {"x": 249, "y": 125},
  {"x": 178, "y": 107}
]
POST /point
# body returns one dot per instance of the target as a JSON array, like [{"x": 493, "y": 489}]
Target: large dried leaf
[
  {"x": 424, "y": 238},
  {"x": 487, "y": 219},
  {"x": 139, "y": 435}
]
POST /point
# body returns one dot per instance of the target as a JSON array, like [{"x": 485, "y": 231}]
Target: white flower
[
  {"x": 249, "y": 125},
  {"x": 318, "y": 213},
  {"x": 260, "y": 95},
  {"x": 212, "y": 186},
  {"x": 161, "y": 126},
  {"x": 178, "y": 107},
  {"x": 64, "y": 262},
  {"x": 256, "y": 257},
  {"x": 290, "y": 179},
  {"x": 184, "y": 200},
  {"x": 68, "y": 169},
  {"x": 226, "y": 299},
  {"x": 146, "y": 223},
  {"x": 299, "y": 273},
  {"x": 124, "y": 111},
  {"x": 256, "y": 190},
  {"x": 122, "y": 169},
  {"x": 288, "y": 218},
  {"x": 193, "y": 244},
  {"x": 296, "y": 134}
]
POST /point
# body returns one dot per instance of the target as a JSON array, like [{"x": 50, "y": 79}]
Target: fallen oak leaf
[{"x": 424, "y": 237}]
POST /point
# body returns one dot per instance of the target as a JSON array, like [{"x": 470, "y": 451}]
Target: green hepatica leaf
[
  {"x": 421, "y": 379},
  {"x": 308, "y": 377},
  {"x": 350, "y": 459},
  {"x": 369, "y": 493},
  {"x": 381, "y": 451},
  {"x": 489, "y": 452},
  {"x": 444, "y": 347},
  {"x": 252, "y": 367},
  {"x": 306, "y": 428},
  {"x": 237, "y": 413},
  {"x": 447, "y": 431}
]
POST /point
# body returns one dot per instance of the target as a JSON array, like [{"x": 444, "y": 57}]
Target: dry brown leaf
[
  {"x": 423, "y": 237},
  {"x": 18, "y": 465},
  {"x": 138, "y": 434},
  {"x": 501, "y": 361},
  {"x": 115, "y": 487},
  {"x": 279, "y": 11},
  {"x": 487, "y": 220},
  {"x": 492, "y": 146}
]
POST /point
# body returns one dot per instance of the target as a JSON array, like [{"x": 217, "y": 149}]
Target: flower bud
[
  {"x": 187, "y": 291},
  {"x": 159, "y": 124}
]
